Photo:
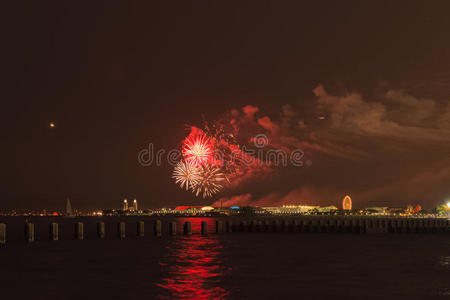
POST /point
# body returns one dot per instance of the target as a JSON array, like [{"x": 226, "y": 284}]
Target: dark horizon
[{"x": 362, "y": 88}]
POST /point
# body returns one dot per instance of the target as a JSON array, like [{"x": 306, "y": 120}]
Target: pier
[{"x": 267, "y": 225}]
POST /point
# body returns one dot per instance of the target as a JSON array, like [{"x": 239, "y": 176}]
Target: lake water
[{"x": 227, "y": 266}]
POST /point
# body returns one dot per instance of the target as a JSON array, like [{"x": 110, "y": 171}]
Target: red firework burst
[{"x": 197, "y": 150}]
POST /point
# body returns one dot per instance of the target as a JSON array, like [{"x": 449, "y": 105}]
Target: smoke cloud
[{"x": 391, "y": 148}]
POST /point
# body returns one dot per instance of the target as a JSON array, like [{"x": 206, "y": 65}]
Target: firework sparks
[
  {"x": 211, "y": 158},
  {"x": 211, "y": 181},
  {"x": 197, "y": 150},
  {"x": 186, "y": 174}
]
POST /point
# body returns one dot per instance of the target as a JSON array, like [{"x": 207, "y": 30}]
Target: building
[
  {"x": 125, "y": 205},
  {"x": 290, "y": 209},
  {"x": 382, "y": 210},
  {"x": 327, "y": 209},
  {"x": 68, "y": 208},
  {"x": 347, "y": 203},
  {"x": 135, "y": 205}
]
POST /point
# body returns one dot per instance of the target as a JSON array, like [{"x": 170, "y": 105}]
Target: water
[{"x": 228, "y": 266}]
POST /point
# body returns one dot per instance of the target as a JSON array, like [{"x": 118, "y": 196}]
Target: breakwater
[{"x": 306, "y": 224}]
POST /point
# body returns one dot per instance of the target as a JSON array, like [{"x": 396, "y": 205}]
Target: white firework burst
[
  {"x": 211, "y": 181},
  {"x": 186, "y": 174}
]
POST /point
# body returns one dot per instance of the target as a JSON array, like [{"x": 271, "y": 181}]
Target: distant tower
[
  {"x": 68, "y": 208},
  {"x": 347, "y": 203},
  {"x": 125, "y": 205},
  {"x": 135, "y": 208}
]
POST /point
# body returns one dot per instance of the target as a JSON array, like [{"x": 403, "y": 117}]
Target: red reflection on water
[{"x": 192, "y": 269}]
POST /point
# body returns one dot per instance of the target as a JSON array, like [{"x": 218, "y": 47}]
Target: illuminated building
[
  {"x": 347, "y": 203},
  {"x": 377, "y": 210},
  {"x": 135, "y": 205},
  {"x": 125, "y": 205},
  {"x": 207, "y": 208},
  {"x": 290, "y": 209},
  {"x": 324, "y": 209}
]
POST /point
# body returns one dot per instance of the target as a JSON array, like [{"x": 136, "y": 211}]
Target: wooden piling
[
  {"x": 275, "y": 226},
  {"x": 188, "y": 228},
  {"x": 79, "y": 231},
  {"x": 29, "y": 232},
  {"x": 301, "y": 225},
  {"x": 101, "y": 230},
  {"x": 219, "y": 227},
  {"x": 243, "y": 226},
  {"x": 54, "y": 231},
  {"x": 284, "y": 226},
  {"x": 265, "y": 226},
  {"x": 173, "y": 228},
  {"x": 158, "y": 228},
  {"x": 204, "y": 226},
  {"x": 294, "y": 226},
  {"x": 314, "y": 225},
  {"x": 121, "y": 230},
  {"x": 2, "y": 233},
  {"x": 252, "y": 226},
  {"x": 228, "y": 227},
  {"x": 140, "y": 229}
]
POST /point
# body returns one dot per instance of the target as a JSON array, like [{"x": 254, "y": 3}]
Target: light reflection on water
[
  {"x": 444, "y": 262},
  {"x": 192, "y": 269}
]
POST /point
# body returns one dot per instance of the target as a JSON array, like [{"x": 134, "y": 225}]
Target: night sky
[{"x": 361, "y": 86}]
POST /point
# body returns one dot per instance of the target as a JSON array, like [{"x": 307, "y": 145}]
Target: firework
[
  {"x": 211, "y": 181},
  {"x": 216, "y": 131},
  {"x": 186, "y": 174},
  {"x": 211, "y": 158},
  {"x": 197, "y": 150}
]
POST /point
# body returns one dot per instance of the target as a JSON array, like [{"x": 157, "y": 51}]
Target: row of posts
[{"x": 357, "y": 225}]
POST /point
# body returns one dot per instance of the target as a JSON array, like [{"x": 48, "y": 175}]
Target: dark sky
[{"x": 116, "y": 76}]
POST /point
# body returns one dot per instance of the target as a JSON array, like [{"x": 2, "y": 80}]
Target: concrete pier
[
  {"x": 79, "y": 231},
  {"x": 101, "y": 230},
  {"x": 158, "y": 228},
  {"x": 188, "y": 228},
  {"x": 121, "y": 230},
  {"x": 54, "y": 231},
  {"x": 2, "y": 233},
  {"x": 29, "y": 232},
  {"x": 173, "y": 228},
  {"x": 140, "y": 229},
  {"x": 204, "y": 227}
]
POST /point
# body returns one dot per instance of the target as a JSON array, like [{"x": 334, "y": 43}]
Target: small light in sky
[{"x": 52, "y": 125}]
